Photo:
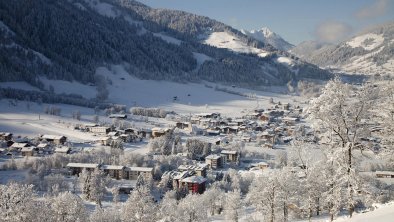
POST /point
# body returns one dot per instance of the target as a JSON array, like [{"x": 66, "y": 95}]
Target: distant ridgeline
[{"x": 68, "y": 40}]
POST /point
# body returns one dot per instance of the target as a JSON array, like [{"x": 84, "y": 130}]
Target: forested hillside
[{"x": 70, "y": 39}]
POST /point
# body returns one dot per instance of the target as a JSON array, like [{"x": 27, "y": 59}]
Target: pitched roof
[
  {"x": 52, "y": 137},
  {"x": 194, "y": 179},
  {"x": 63, "y": 149},
  {"x": 19, "y": 145},
  {"x": 112, "y": 167},
  {"x": 213, "y": 156},
  {"x": 83, "y": 165},
  {"x": 229, "y": 152},
  {"x": 141, "y": 169}
]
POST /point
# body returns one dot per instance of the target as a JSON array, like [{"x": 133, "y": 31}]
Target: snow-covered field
[
  {"x": 368, "y": 41},
  {"x": 226, "y": 40}
]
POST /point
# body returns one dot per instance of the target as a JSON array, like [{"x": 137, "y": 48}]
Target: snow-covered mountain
[
  {"x": 370, "y": 52},
  {"x": 307, "y": 49},
  {"x": 267, "y": 36},
  {"x": 69, "y": 40}
]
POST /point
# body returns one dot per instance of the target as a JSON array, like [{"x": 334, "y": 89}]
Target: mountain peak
[
  {"x": 267, "y": 36},
  {"x": 267, "y": 32}
]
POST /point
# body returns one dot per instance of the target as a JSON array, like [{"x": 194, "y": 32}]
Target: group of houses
[
  {"x": 274, "y": 125},
  {"x": 114, "y": 171},
  {"x": 43, "y": 144}
]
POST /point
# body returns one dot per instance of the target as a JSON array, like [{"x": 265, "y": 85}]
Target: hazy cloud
[
  {"x": 378, "y": 8},
  {"x": 332, "y": 31}
]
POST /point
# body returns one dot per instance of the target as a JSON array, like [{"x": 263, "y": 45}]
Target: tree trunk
[
  {"x": 285, "y": 212},
  {"x": 350, "y": 186}
]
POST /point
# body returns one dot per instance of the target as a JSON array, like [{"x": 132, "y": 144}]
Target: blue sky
[{"x": 294, "y": 20}]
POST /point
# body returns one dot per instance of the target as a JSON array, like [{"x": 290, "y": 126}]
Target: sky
[{"x": 295, "y": 20}]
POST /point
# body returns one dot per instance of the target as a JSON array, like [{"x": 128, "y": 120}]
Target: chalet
[
  {"x": 100, "y": 129},
  {"x": 265, "y": 118},
  {"x": 268, "y": 135},
  {"x": 239, "y": 122},
  {"x": 76, "y": 168},
  {"x": 230, "y": 129},
  {"x": 105, "y": 141},
  {"x": 29, "y": 151},
  {"x": 5, "y": 136},
  {"x": 183, "y": 125},
  {"x": 55, "y": 139},
  {"x": 113, "y": 171},
  {"x": 210, "y": 132},
  {"x": 158, "y": 132},
  {"x": 214, "y": 161},
  {"x": 290, "y": 121},
  {"x": 253, "y": 116},
  {"x": 63, "y": 150},
  {"x": 112, "y": 134},
  {"x": 384, "y": 174},
  {"x": 263, "y": 165},
  {"x": 208, "y": 115},
  {"x": 214, "y": 122},
  {"x": 231, "y": 155},
  {"x": 205, "y": 122},
  {"x": 87, "y": 126},
  {"x": 132, "y": 173},
  {"x": 18, "y": 146},
  {"x": 247, "y": 139},
  {"x": 195, "y": 120},
  {"x": 118, "y": 116},
  {"x": 200, "y": 170},
  {"x": 125, "y": 188},
  {"x": 195, "y": 184},
  {"x": 44, "y": 148}
]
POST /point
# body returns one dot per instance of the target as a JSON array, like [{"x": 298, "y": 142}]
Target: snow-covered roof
[
  {"x": 27, "y": 149},
  {"x": 141, "y": 169},
  {"x": 52, "y": 137},
  {"x": 233, "y": 152},
  {"x": 42, "y": 145},
  {"x": 19, "y": 145},
  {"x": 118, "y": 116},
  {"x": 63, "y": 149},
  {"x": 193, "y": 167},
  {"x": 213, "y": 157},
  {"x": 391, "y": 173},
  {"x": 103, "y": 138},
  {"x": 179, "y": 175},
  {"x": 112, "y": 133},
  {"x": 83, "y": 165},
  {"x": 112, "y": 167},
  {"x": 194, "y": 179}
]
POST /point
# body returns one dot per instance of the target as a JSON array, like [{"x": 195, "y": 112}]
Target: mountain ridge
[{"x": 77, "y": 36}]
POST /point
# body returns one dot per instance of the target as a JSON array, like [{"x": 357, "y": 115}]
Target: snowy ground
[{"x": 191, "y": 98}]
